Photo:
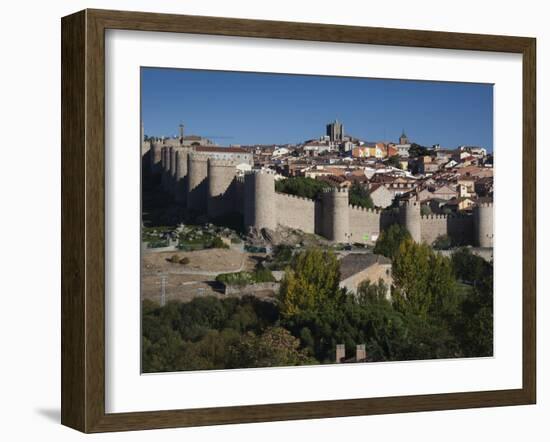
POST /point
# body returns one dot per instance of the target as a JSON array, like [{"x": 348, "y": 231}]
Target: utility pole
[{"x": 162, "y": 290}]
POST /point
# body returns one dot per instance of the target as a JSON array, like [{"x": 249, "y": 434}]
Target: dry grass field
[{"x": 197, "y": 278}]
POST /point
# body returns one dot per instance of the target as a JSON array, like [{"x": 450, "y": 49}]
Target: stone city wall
[
  {"x": 295, "y": 212},
  {"x": 211, "y": 186},
  {"x": 364, "y": 224}
]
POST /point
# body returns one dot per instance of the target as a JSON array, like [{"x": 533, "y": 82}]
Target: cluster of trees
[
  {"x": 311, "y": 188},
  {"x": 446, "y": 303},
  {"x": 430, "y": 316},
  {"x": 440, "y": 308},
  {"x": 209, "y": 333},
  {"x": 301, "y": 186}
]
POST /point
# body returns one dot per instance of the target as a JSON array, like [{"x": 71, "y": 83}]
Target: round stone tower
[
  {"x": 259, "y": 200},
  {"x": 180, "y": 191},
  {"x": 156, "y": 158},
  {"x": 172, "y": 180},
  {"x": 162, "y": 157},
  {"x": 221, "y": 174},
  {"x": 410, "y": 219},
  {"x": 336, "y": 214},
  {"x": 483, "y": 225},
  {"x": 197, "y": 174},
  {"x": 165, "y": 168}
]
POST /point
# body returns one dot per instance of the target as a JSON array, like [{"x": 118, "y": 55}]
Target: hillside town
[
  {"x": 443, "y": 180},
  {"x": 242, "y": 222}
]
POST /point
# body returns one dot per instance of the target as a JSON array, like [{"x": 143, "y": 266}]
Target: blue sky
[{"x": 256, "y": 108}]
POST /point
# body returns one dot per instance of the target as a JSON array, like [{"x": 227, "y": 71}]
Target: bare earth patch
[{"x": 185, "y": 282}]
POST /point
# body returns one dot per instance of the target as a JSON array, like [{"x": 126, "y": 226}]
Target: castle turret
[
  {"x": 165, "y": 168},
  {"x": 483, "y": 225},
  {"x": 180, "y": 191},
  {"x": 197, "y": 174},
  {"x": 410, "y": 219},
  {"x": 221, "y": 174},
  {"x": 172, "y": 174},
  {"x": 156, "y": 158},
  {"x": 336, "y": 214},
  {"x": 259, "y": 200}
]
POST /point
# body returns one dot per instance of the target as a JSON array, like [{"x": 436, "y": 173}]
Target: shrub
[
  {"x": 217, "y": 243},
  {"x": 184, "y": 260},
  {"x": 240, "y": 279},
  {"x": 174, "y": 259},
  {"x": 263, "y": 275},
  {"x": 442, "y": 242}
]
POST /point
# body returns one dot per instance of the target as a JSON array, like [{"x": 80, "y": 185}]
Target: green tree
[
  {"x": 276, "y": 347},
  {"x": 411, "y": 274},
  {"x": 416, "y": 150},
  {"x": 390, "y": 239},
  {"x": 476, "y": 326},
  {"x": 213, "y": 351},
  {"x": 393, "y": 161},
  {"x": 469, "y": 267},
  {"x": 442, "y": 242},
  {"x": 311, "y": 283},
  {"x": 366, "y": 318},
  {"x": 424, "y": 280},
  {"x": 370, "y": 292},
  {"x": 360, "y": 196},
  {"x": 442, "y": 286}
]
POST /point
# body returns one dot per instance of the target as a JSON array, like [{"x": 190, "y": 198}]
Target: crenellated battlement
[
  {"x": 260, "y": 172},
  {"x": 485, "y": 205},
  {"x": 214, "y": 162},
  {"x": 365, "y": 209},
  {"x": 426, "y": 217},
  {"x": 198, "y": 158},
  {"x": 411, "y": 204},
  {"x": 336, "y": 190},
  {"x": 295, "y": 197}
]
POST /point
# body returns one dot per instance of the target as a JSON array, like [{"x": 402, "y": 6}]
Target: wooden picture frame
[{"x": 83, "y": 220}]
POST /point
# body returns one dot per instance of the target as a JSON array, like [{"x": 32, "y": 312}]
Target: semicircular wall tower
[
  {"x": 336, "y": 214},
  {"x": 483, "y": 225},
  {"x": 180, "y": 190},
  {"x": 410, "y": 219},
  {"x": 259, "y": 200},
  {"x": 221, "y": 174},
  {"x": 197, "y": 173}
]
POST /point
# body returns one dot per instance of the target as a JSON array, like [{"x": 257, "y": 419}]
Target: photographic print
[{"x": 304, "y": 220}]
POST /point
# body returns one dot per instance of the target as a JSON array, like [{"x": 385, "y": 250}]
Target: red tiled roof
[{"x": 220, "y": 149}]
